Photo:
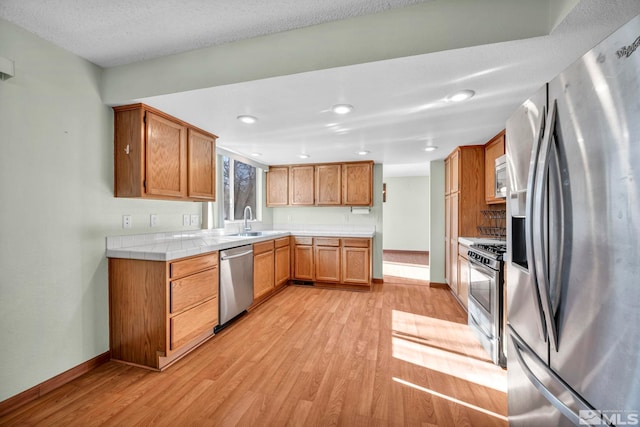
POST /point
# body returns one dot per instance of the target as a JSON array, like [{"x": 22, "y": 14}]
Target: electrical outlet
[
  {"x": 127, "y": 222},
  {"x": 186, "y": 220},
  {"x": 195, "y": 219},
  {"x": 153, "y": 220}
]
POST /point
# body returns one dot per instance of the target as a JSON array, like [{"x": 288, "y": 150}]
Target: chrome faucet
[{"x": 247, "y": 226}]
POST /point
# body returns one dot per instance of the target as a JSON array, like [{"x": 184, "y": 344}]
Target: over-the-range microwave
[{"x": 501, "y": 177}]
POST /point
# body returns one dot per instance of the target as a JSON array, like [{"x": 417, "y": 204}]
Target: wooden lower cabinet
[
  {"x": 327, "y": 259},
  {"x": 263, "y": 268},
  {"x": 333, "y": 260},
  {"x": 356, "y": 266},
  {"x": 282, "y": 261},
  {"x": 159, "y": 311},
  {"x": 303, "y": 267}
]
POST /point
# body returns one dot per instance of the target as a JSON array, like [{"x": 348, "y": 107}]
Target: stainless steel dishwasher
[{"x": 236, "y": 283}]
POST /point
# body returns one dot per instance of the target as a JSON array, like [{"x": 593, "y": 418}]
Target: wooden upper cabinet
[
  {"x": 202, "y": 166},
  {"x": 357, "y": 184},
  {"x": 161, "y": 157},
  {"x": 278, "y": 186},
  {"x": 324, "y": 184},
  {"x": 166, "y": 157},
  {"x": 301, "y": 185},
  {"x": 329, "y": 184},
  {"x": 492, "y": 150},
  {"x": 454, "y": 171},
  {"x": 447, "y": 176}
]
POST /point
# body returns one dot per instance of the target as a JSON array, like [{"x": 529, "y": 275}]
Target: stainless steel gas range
[{"x": 486, "y": 297}]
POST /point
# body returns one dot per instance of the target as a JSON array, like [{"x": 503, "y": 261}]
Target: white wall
[
  {"x": 56, "y": 207},
  {"x": 341, "y": 216},
  {"x": 436, "y": 210},
  {"x": 406, "y": 214}
]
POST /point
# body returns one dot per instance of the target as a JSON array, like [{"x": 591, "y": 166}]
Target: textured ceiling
[
  {"x": 115, "y": 32},
  {"x": 399, "y": 106}
]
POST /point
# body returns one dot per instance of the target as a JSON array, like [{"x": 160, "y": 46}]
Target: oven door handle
[{"x": 479, "y": 327}]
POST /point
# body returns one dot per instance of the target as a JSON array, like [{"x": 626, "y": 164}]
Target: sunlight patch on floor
[
  {"x": 408, "y": 271},
  {"x": 446, "y": 347},
  {"x": 450, "y": 398}
]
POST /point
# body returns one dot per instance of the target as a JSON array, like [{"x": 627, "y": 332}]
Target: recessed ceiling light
[
  {"x": 342, "y": 108},
  {"x": 460, "y": 96},
  {"x": 256, "y": 154},
  {"x": 363, "y": 152},
  {"x": 430, "y": 148},
  {"x": 304, "y": 156},
  {"x": 247, "y": 119}
]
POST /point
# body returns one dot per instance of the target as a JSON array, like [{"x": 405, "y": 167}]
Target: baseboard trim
[
  {"x": 20, "y": 399},
  {"x": 377, "y": 281},
  {"x": 438, "y": 285}
]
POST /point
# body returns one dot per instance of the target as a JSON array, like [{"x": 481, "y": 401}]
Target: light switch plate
[
  {"x": 153, "y": 220},
  {"x": 186, "y": 220},
  {"x": 195, "y": 219}
]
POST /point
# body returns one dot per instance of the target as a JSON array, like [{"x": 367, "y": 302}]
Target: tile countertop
[
  {"x": 170, "y": 246},
  {"x": 468, "y": 241}
]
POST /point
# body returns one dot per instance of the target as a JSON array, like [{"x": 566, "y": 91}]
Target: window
[{"x": 240, "y": 189}]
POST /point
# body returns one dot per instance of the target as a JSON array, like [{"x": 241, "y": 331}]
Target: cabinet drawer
[
  {"x": 283, "y": 241},
  {"x": 193, "y": 265},
  {"x": 327, "y": 241},
  {"x": 193, "y": 289},
  {"x": 188, "y": 325},
  {"x": 261, "y": 247},
  {"x": 303, "y": 240},
  {"x": 356, "y": 243}
]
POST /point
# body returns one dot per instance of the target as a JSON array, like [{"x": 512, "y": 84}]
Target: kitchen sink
[{"x": 249, "y": 234}]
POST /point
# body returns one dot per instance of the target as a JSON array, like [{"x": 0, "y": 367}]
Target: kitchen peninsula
[{"x": 164, "y": 287}]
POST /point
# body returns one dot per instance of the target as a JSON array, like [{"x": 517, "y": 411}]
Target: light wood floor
[{"x": 400, "y": 355}]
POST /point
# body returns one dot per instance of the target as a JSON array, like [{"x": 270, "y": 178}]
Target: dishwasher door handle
[{"x": 250, "y": 251}]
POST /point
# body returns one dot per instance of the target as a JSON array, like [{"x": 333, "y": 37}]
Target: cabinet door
[
  {"x": 447, "y": 238},
  {"x": 328, "y": 184},
  {"x": 493, "y": 150},
  {"x": 356, "y": 267},
  {"x": 283, "y": 264},
  {"x": 202, "y": 166},
  {"x": 447, "y": 176},
  {"x": 166, "y": 157},
  {"x": 357, "y": 184},
  {"x": 301, "y": 185},
  {"x": 463, "y": 280},
  {"x": 454, "y": 170},
  {"x": 263, "y": 274},
  {"x": 327, "y": 261},
  {"x": 453, "y": 248},
  {"x": 303, "y": 262},
  {"x": 278, "y": 186}
]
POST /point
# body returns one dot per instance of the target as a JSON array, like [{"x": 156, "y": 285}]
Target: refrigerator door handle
[
  {"x": 582, "y": 407},
  {"x": 529, "y": 223},
  {"x": 541, "y": 263}
]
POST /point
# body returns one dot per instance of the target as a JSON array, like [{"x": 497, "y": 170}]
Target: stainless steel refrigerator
[{"x": 573, "y": 233}]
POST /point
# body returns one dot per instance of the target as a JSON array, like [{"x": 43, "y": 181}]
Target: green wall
[
  {"x": 56, "y": 208},
  {"x": 406, "y": 214}
]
